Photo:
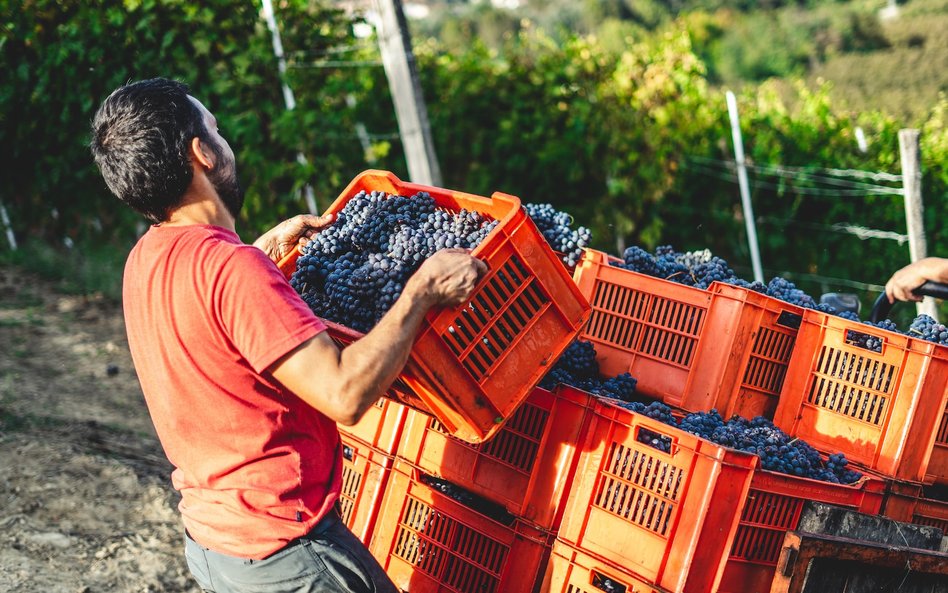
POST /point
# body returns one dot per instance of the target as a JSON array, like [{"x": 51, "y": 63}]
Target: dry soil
[{"x": 86, "y": 504}]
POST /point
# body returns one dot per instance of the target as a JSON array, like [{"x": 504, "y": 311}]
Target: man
[{"x": 243, "y": 384}]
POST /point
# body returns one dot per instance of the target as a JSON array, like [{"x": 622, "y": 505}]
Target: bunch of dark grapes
[
  {"x": 778, "y": 452},
  {"x": 353, "y": 271},
  {"x": 927, "y": 328},
  {"x": 783, "y": 289},
  {"x": 867, "y": 341},
  {"x": 556, "y": 229},
  {"x": 577, "y": 366},
  {"x": 701, "y": 268}
]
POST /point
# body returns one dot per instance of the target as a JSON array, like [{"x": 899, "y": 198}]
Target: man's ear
[{"x": 200, "y": 154}]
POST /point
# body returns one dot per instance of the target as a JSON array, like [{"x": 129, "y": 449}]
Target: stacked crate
[
  {"x": 464, "y": 413},
  {"x": 725, "y": 348},
  {"x": 472, "y": 365},
  {"x": 562, "y": 491},
  {"x": 879, "y": 397},
  {"x": 686, "y": 516},
  {"x": 493, "y": 528}
]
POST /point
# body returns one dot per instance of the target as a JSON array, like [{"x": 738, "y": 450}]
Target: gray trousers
[{"x": 330, "y": 559}]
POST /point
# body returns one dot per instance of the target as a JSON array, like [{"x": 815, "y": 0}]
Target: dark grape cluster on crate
[
  {"x": 353, "y": 271},
  {"x": 555, "y": 226},
  {"x": 778, "y": 452},
  {"x": 926, "y": 328},
  {"x": 577, "y": 366},
  {"x": 701, "y": 268}
]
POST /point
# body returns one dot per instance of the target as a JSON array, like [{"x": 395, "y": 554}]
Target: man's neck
[{"x": 201, "y": 208}]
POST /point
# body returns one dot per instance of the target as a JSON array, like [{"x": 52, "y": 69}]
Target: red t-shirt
[{"x": 206, "y": 315}]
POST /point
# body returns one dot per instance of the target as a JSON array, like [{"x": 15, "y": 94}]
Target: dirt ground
[{"x": 86, "y": 504}]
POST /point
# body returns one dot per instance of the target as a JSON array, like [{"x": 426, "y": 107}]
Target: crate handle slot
[
  {"x": 656, "y": 440},
  {"x": 607, "y": 585},
  {"x": 789, "y": 320},
  {"x": 865, "y": 340}
]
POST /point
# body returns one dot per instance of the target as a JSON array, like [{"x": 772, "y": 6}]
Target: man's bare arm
[
  {"x": 344, "y": 384},
  {"x": 907, "y": 279}
]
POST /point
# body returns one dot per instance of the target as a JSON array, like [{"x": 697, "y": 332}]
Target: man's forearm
[{"x": 373, "y": 362}]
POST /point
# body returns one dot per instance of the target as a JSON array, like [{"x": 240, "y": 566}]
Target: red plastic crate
[
  {"x": 474, "y": 364},
  {"x": 773, "y": 508},
  {"x": 885, "y": 410},
  {"x": 381, "y": 426},
  {"x": 906, "y": 502},
  {"x": 430, "y": 543},
  {"x": 527, "y": 466},
  {"x": 365, "y": 473},
  {"x": 668, "y": 518},
  {"x": 725, "y": 347},
  {"x": 572, "y": 571}
]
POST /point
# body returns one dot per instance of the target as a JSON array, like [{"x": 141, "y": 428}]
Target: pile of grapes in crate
[
  {"x": 778, "y": 451},
  {"x": 701, "y": 268},
  {"x": 353, "y": 271}
]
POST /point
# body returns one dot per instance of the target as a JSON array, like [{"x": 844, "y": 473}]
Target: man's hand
[
  {"x": 448, "y": 277},
  {"x": 279, "y": 241},
  {"x": 903, "y": 282}
]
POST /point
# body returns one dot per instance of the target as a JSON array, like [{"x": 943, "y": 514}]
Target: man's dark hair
[{"x": 141, "y": 138}]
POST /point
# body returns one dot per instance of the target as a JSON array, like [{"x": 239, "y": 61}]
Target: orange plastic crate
[
  {"x": 474, "y": 364},
  {"x": 885, "y": 410},
  {"x": 430, "y": 543},
  {"x": 725, "y": 347},
  {"x": 773, "y": 508},
  {"x": 365, "y": 473},
  {"x": 526, "y": 466},
  {"x": 668, "y": 518},
  {"x": 381, "y": 426},
  {"x": 572, "y": 571},
  {"x": 906, "y": 502}
]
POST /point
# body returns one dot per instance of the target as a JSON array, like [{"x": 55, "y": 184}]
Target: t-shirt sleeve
[{"x": 262, "y": 314}]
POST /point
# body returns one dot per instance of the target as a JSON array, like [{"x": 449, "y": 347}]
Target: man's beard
[{"x": 224, "y": 179}]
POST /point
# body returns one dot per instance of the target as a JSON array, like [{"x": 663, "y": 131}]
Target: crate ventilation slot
[
  {"x": 496, "y": 316},
  {"x": 516, "y": 443},
  {"x": 764, "y": 522},
  {"x": 454, "y": 554},
  {"x": 768, "y": 362},
  {"x": 660, "y": 328},
  {"x": 351, "y": 481},
  {"x": 640, "y": 488},
  {"x": 852, "y": 385},
  {"x": 942, "y": 435}
]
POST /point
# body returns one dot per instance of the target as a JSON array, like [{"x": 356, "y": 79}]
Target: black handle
[{"x": 882, "y": 306}]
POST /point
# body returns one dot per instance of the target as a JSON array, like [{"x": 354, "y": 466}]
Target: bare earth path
[{"x": 86, "y": 504}]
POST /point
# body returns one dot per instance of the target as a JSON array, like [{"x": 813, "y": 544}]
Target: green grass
[{"x": 82, "y": 270}]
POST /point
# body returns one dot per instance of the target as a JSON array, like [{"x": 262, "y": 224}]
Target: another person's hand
[
  {"x": 448, "y": 277},
  {"x": 903, "y": 282},
  {"x": 279, "y": 241}
]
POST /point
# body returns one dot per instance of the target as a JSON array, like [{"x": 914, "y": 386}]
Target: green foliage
[
  {"x": 625, "y": 132},
  {"x": 96, "y": 268},
  {"x": 64, "y": 57}
]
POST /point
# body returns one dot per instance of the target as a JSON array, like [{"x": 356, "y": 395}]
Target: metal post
[
  {"x": 912, "y": 193},
  {"x": 6, "y": 225},
  {"x": 399, "y": 62},
  {"x": 288, "y": 99},
  {"x": 745, "y": 187}
]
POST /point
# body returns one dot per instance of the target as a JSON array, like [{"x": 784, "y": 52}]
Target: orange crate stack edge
[{"x": 471, "y": 366}]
